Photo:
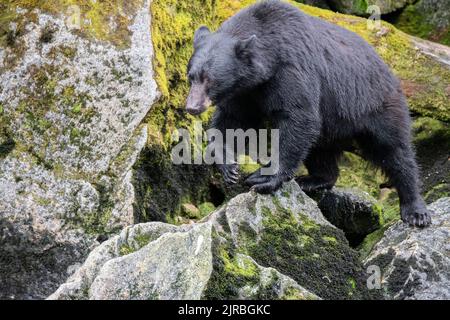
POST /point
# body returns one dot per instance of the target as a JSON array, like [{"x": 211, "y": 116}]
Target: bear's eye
[
  {"x": 190, "y": 78},
  {"x": 204, "y": 77}
]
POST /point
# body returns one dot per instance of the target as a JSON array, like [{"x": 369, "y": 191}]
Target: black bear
[{"x": 322, "y": 86}]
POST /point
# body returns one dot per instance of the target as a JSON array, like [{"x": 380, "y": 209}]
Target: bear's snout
[{"x": 197, "y": 101}]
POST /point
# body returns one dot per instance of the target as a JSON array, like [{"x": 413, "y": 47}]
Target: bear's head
[{"x": 221, "y": 67}]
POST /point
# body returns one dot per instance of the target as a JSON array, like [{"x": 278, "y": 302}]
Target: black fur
[{"x": 321, "y": 85}]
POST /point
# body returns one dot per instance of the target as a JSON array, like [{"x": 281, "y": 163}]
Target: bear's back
[{"x": 352, "y": 77}]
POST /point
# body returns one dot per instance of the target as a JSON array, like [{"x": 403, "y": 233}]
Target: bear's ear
[
  {"x": 244, "y": 48},
  {"x": 200, "y": 34}
]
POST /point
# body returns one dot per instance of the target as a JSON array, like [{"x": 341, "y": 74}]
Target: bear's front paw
[
  {"x": 311, "y": 183},
  {"x": 268, "y": 187},
  {"x": 230, "y": 173},
  {"x": 256, "y": 178},
  {"x": 416, "y": 215}
]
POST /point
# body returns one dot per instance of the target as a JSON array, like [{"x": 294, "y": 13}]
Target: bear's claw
[
  {"x": 267, "y": 187},
  {"x": 311, "y": 183},
  {"x": 417, "y": 216},
  {"x": 230, "y": 173},
  {"x": 256, "y": 178}
]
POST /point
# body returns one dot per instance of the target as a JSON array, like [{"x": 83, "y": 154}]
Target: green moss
[
  {"x": 206, "y": 208},
  {"x": 139, "y": 241},
  {"x": 357, "y": 172},
  {"x": 360, "y": 7},
  {"x": 295, "y": 294},
  {"x": 247, "y": 165},
  {"x": 329, "y": 239},
  {"x": 437, "y": 192},
  {"x": 371, "y": 240},
  {"x": 308, "y": 253},
  {"x": 162, "y": 187},
  {"x": 242, "y": 268},
  {"x": 126, "y": 249},
  {"x": 352, "y": 287},
  {"x": 76, "y": 109},
  {"x": 96, "y": 222},
  {"x": 377, "y": 208},
  {"x": 229, "y": 273}
]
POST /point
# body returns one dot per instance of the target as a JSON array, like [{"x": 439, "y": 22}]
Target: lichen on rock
[{"x": 415, "y": 263}]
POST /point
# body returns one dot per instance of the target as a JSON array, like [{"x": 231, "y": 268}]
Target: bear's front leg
[
  {"x": 298, "y": 131},
  {"x": 225, "y": 157}
]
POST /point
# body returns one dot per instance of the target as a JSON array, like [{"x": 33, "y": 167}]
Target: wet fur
[{"x": 322, "y": 86}]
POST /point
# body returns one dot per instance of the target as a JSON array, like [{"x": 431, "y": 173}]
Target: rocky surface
[
  {"x": 271, "y": 247},
  {"x": 71, "y": 109},
  {"x": 429, "y": 19},
  {"x": 351, "y": 210},
  {"x": 415, "y": 263},
  {"x": 359, "y": 7},
  {"x": 265, "y": 247}
]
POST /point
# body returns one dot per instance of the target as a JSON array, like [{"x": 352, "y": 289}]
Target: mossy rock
[
  {"x": 351, "y": 210},
  {"x": 360, "y": 7},
  {"x": 254, "y": 247},
  {"x": 72, "y": 98},
  {"x": 106, "y": 20},
  {"x": 432, "y": 142},
  {"x": 427, "y": 19},
  {"x": 286, "y": 232}
]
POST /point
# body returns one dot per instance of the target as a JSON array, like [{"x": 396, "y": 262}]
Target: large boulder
[
  {"x": 73, "y": 94},
  {"x": 359, "y": 7},
  {"x": 415, "y": 263},
  {"x": 428, "y": 19},
  {"x": 255, "y": 246},
  {"x": 432, "y": 142},
  {"x": 351, "y": 210}
]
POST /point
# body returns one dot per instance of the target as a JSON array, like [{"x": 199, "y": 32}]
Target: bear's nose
[
  {"x": 197, "y": 101},
  {"x": 194, "y": 110}
]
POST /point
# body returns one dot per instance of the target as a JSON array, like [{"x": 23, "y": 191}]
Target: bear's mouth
[{"x": 197, "y": 101}]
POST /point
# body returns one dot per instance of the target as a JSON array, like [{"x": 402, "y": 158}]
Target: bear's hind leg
[
  {"x": 322, "y": 165},
  {"x": 388, "y": 145}
]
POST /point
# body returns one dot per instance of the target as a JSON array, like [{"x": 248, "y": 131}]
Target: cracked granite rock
[
  {"x": 415, "y": 263},
  {"x": 71, "y": 108}
]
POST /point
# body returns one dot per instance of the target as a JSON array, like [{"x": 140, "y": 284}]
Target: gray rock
[
  {"x": 316, "y": 3},
  {"x": 429, "y": 19},
  {"x": 254, "y": 247},
  {"x": 352, "y": 210},
  {"x": 415, "y": 263},
  {"x": 359, "y": 7},
  {"x": 71, "y": 109}
]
